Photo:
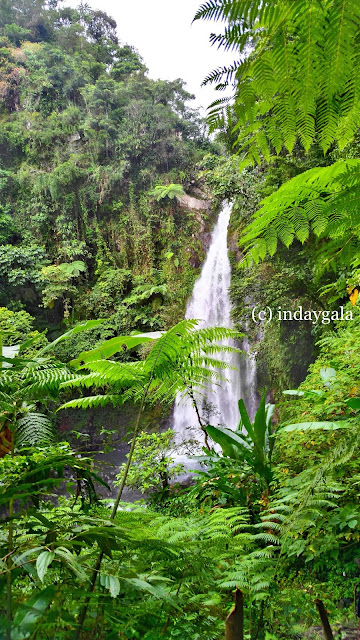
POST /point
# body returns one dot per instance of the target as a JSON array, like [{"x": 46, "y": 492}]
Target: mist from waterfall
[{"x": 210, "y": 303}]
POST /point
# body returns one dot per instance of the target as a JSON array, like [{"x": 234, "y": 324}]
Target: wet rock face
[
  {"x": 189, "y": 202},
  {"x": 202, "y": 208},
  {"x": 206, "y": 239}
]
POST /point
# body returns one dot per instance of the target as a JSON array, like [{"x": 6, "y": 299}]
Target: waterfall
[{"x": 210, "y": 303}]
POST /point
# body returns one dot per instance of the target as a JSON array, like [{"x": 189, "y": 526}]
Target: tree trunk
[
  {"x": 234, "y": 625},
  {"x": 324, "y": 619}
]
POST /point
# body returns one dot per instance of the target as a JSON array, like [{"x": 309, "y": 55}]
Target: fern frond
[
  {"x": 324, "y": 201},
  {"x": 301, "y": 75},
  {"x": 91, "y": 402},
  {"x": 181, "y": 361},
  {"x": 34, "y": 429},
  {"x": 213, "y": 10}
]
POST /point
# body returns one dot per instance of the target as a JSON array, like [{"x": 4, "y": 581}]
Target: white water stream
[{"x": 210, "y": 303}]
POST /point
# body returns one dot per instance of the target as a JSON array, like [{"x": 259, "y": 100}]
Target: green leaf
[
  {"x": 24, "y": 560},
  {"x": 114, "y": 345},
  {"x": 112, "y": 583},
  {"x": 352, "y": 524},
  {"x": 42, "y": 563},
  {"x": 259, "y": 425},
  {"x": 79, "y": 328},
  {"x": 154, "y": 590},
  {"x": 167, "y": 191},
  {"x": 114, "y": 586},
  {"x": 308, "y": 426},
  {"x": 72, "y": 269},
  {"x": 29, "y": 613},
  {"x": 328, "y": 376},
  {"x": 245, "y": 420},
  {"x": 71, "y": 562},
  {"x": 232, "y": 444},
  {"x": 297, "y": 392},
  {"x": 353, "y": 403}
]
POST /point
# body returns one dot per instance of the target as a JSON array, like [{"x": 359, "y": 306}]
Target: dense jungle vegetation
[{"x": 110, "y": 184}]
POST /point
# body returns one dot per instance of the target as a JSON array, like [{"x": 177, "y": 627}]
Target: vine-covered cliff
[{"x": 85, "y": 138}]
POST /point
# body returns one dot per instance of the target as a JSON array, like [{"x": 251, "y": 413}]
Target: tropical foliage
[
  {"x": 253, "y": 443},
  {"x": 93, "y": 154},
  {"x": 104, "y": 533},
  {"x": 295, "y": 84},
  {"x": 295, "y": 73}
]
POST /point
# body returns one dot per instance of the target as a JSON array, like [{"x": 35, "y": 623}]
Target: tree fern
[
  {"x": 301, "y": 509},
  {"x": 324, "y": 201},
  {"x": 300, "y": 75},
  {"x": 26, "y": 383},
  {"x": 170, "y": 191},
  {"x": 23, "y": 386},
  {"x": 175, "y": 363},
  {"x": 181, "y": 358}
]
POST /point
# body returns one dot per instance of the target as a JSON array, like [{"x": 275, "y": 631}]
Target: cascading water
[{"x": 210, "y": 303}]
